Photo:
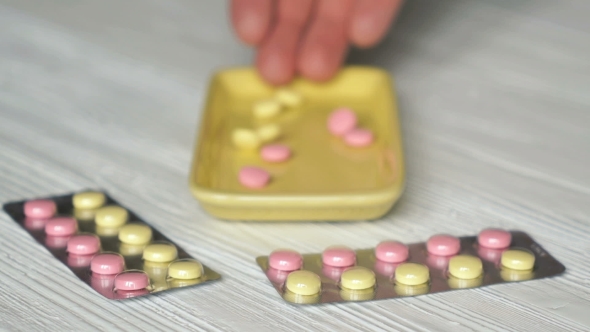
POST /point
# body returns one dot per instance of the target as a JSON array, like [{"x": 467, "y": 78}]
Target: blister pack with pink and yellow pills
[
  {"x": 107, "y": 246},
  {"x": 393, "y": 269}
]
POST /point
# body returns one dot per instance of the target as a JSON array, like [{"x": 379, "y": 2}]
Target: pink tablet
[
  {"x": 40, "y": 208},
  {"x": 254, "y": 177},
  {"x": 285, "y": 260},
  {"x": 391, "y": 252},
  {"x": 107, "y": 263},
  {"x": 275, "y": 153},
  {"x": 341, "y": 121},
  {"x": 359, "y": 137},
  {"x": 86, "y": 244},
  {"x": 132, "y": 280},
  {"x": 63, "y": 226},
  {"x": 494, "y": 238},
  {"x": 443, "y": 245},
  {"x": 339, "y": 256}
]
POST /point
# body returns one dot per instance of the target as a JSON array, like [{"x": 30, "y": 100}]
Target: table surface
[{"x": 494, "y": 100}]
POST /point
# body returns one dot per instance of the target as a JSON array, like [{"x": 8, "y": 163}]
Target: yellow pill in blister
[
  {"x": 131, "y": 249},
  {"x": 357, "y": 294},
  {"x": 518, "y": 260},
  {"x": 457, "y": 283},
  {"x": 303, "y": 282},
  {"x": 88, "y": 200},
  {"x": 269, "y": 132},
  {"x": 357, "y": 277},
  {"x": 185, "y": 269},
  {"x": 245, "y": 139},
  {"x": 266, "y": 109},
  {"x": 288, "y": 97},
  {"x": 407, "y": 290},
  {"x": 160, "y": 252},
  {"x": 111, "y": 216},
  {"x": 135, "y": 234},
  {"x": 412, "y": 274},
  {"x": 465, "y": 267}
]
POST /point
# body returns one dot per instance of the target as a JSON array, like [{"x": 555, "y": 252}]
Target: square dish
[{"x": 325, "y": 180}]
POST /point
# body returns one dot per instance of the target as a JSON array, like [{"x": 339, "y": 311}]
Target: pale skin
[{"x": 309, "y": 37}]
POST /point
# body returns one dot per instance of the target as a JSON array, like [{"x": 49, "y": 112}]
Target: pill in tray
[
  {"x": 107, "y": 246},
  {"x": 393, "y": 269}
]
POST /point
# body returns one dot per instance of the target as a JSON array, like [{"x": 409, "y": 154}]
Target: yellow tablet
[{"x": 325, "y": 179}]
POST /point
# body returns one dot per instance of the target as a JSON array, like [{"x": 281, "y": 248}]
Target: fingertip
[
  {"x": 251, "y": 19},
  {"x": 318, "y": 64},
  {"x": 275, "y": 67},
  {"x": 371, "y": 20}
]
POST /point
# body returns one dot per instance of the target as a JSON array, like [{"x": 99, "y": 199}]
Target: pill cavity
[
  {"x": 185, "y": 269},
  {"x": 160, "y": 252},
  {"x": 303, "y": 283},
  {"x": 443, "y": 245},
  {"x": 357, "y": 277},
  {"x": 516, "y": 259},
  {"x": 494, "y": 238},
  {"x": 339, "y": 256},
  {"x": 412, "y": 274},
  {"x": 359, "y": 137},
  {"x": 107, "y": 264},
  {"x": 391, "y": 252},
  {"x": 40, "y": 208},
  {"x": 135, "y": 234},
  {"x": 342, "y": 121},
  {"x": 275, "y": 153},
  {"x": 245, "y": 138},
  {"x": 88, "y": 200},
  {"x": 62, "y": 226},
  {"x": 253, "y": 177},
  {"x": 465, "y": 267},
  {"x": 132, "y": 280},
  {"x": 85, "y": 244},
  {"x": 285, "y": 260},
  {"x": 111, "y": 216}
]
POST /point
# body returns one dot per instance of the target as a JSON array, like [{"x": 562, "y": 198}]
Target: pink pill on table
[
  {"x": 494, "y": 238},
  {"x": 339, "y": 256},
  {"x": 285, "y": 260},
  {"x": 341, "y": 121},
  {"x": 358, "y": 137},
  {"x": 86, "y": 244},
  {"x": 443, "y": 245},
  {"x": 107, "y": 264},
  {"x": 40, "y": 208},
  {"x": 132, "y": 280},
  {"x": 392, "y": 252},
  {"x": 254, "y": 177},
  {"x": 275, "y": 153},
  {"x": 63, "y": 226}
]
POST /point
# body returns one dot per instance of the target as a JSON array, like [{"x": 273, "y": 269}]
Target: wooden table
[{"x": 495, "y": 102}]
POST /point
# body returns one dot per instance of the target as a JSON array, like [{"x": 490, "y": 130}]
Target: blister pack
[{"x": 107, "y": 246}]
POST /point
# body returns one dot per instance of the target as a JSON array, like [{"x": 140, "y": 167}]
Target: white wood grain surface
[{"x": 495, "y": 103}]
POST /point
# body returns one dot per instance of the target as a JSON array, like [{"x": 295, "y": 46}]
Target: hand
[{"x": 309, "y": 37}]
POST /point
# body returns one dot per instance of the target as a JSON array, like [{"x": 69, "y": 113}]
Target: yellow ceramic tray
[{"x": 325, "y": 180}]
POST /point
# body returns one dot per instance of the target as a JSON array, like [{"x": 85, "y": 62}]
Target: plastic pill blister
[
  {"x": 107, "y": 246},
  {"x": 393, "y": 269}
]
